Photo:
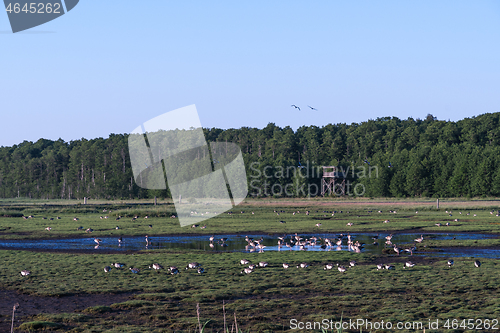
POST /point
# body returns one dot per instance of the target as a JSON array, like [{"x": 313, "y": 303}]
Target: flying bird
[
  {"x": 295, "y": 106},
  {"x": 390, "y": 165},
  {"x": 310, "y": 107}
]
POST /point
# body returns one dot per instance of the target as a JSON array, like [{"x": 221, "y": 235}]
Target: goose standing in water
[{"x": 411, "y": 249}]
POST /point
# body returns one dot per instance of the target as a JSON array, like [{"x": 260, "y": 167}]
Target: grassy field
[
  {"x": 252, "y": 216},
  {"x": 268, "y": 298}
]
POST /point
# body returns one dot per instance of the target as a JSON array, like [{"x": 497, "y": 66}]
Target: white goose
[
  {"x": 193, "y": 265},
  {"x": 408, "y": 264},
  {"x": 303, "y": 265},
  {"x": 247, "y": 271},
  {"x": 156, "y": 266}
]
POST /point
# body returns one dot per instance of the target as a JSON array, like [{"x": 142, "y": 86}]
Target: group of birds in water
[{"x": 298, "y": 242}]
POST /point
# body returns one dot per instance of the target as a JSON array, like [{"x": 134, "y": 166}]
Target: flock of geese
[
  {"x": 340, "y": 268},
  {"x": 261, "y": 264},
  {"x": 303, "y": 243},
  {"x": 294, "y": 241},
  {"x": 157, "y": 267}
]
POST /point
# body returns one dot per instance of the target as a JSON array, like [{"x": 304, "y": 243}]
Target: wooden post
[
  {"x": 155, "y": 200},
  {"x": 437, "y": 203},
  {"x": 84, "y": 200},
  {"x": 180, "y": 198}
]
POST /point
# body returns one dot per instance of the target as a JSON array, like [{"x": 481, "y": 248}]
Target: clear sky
[{"x": 108, "y": 66}]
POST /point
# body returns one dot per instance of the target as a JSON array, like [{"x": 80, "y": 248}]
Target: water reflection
[{"x": 354, "y": 242}]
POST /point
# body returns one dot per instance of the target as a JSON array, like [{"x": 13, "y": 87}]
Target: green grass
[
  {"x": 264, "y": 300},
  {"x": 267, "y": 299},
  {"x": 263, "y": 219}
]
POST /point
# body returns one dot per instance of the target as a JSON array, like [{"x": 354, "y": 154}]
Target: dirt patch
[{"x": 33, "y": 305}]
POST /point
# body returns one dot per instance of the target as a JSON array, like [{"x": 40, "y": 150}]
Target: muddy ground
[{"x": 33, "y": 305}]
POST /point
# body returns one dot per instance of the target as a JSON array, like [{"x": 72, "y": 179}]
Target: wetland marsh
[{"x": 267, "y": 298}]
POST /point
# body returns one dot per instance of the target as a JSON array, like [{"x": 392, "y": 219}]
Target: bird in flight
[
  {"x": 295, "y": 106},
  {"x": 312, "y": 108},
  {"x": 366, "y": 161},
  {"x": 390, "y": 165}
]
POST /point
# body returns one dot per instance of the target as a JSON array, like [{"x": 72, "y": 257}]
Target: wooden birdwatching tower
[{"x": 332, "y": 181}]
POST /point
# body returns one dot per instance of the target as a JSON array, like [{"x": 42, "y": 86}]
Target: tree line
[{"x": 385, "y": 157}]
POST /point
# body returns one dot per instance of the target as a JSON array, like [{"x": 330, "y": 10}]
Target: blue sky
[{"x": 108, "y": 66}]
